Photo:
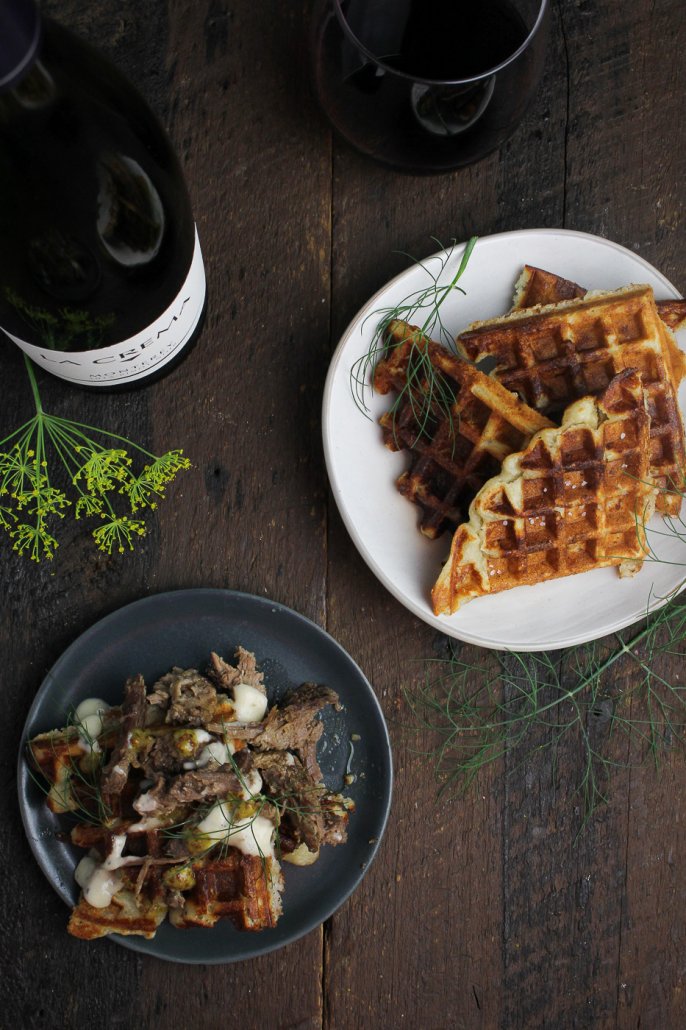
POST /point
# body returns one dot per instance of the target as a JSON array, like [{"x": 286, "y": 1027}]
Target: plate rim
[
  {"x": 364, "y": 312},
  {"x": 385, "y": 755}
]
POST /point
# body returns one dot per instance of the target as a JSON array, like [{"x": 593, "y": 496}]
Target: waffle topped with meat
[
  {"x": 188, "y": 796},
  {"x": 576, "y": 498},
  {"x": 553, "y": 354},
  {"x": 456, "y": 424}
]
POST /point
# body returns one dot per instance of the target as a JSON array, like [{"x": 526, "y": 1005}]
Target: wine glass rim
[{"x": 440, "y": 82}]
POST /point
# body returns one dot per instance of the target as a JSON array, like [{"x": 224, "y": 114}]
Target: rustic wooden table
[{"x": 492, "y": 910}]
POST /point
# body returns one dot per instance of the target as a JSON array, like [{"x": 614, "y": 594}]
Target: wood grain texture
[{"x": 490, "y": 911}]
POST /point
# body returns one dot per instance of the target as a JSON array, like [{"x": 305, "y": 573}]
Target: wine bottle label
[{"x": 139, "y": 356}]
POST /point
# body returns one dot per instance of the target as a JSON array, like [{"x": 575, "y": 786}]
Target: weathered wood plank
[
  {"x": 250, "y": 515},
  {"x": 435, "y": 958}
]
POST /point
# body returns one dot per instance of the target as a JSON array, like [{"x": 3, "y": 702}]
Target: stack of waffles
[{"x": 531, "y": 500}]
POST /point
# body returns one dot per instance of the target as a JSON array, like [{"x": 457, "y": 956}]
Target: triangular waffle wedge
[
  {"x": 457, "y": 424},
  {"x": 54, "y": 755},
  {"x": 537, "y": 286},
  {"x": 66, "y": 761},
  {"x": 554, "y": 354},
  {"x": 576, "y": 498}
]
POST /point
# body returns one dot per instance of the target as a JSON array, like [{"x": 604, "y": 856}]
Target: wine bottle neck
[{"x": 20, "y": 33}]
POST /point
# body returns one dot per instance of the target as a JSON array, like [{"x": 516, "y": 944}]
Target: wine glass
[{"x": 427, "y": 85}]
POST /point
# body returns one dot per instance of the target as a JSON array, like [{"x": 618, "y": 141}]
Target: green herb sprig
[
  {"x": 478, "y": 710},
  {"x": 99, "y": 470},
  {"x": 424, "y": 307}
]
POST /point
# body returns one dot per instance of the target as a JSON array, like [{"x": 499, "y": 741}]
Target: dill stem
[
  {"x": 27, "y": 425},
  {"x": 94, "y": 429},
  {"x": 34, "y": 385},
  {"x": 595, "y": 675},
  {"x": 61, "y": 446},
  {"x": 453, "y": 282}
]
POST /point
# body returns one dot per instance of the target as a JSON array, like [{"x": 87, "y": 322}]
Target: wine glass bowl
[{"x": 427, "y": 85}]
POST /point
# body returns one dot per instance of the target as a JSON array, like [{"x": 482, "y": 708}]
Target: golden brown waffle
[
  {"x": 457, "y": 423},
  {"x": 574, "y": 499},
  {"x": 131, "y": 911},
  {"x": 65, "y": 760},
  {"x": 536, "y": 286},
  {"x": 54, "y": 755},
  {"x": 140, "y": 905},
  {"x": 243, "y": 888},
  {"x": 554, "y": 354}
]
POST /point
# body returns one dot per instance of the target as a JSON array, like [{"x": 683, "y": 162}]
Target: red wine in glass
[{"x": 427, "y": 85}]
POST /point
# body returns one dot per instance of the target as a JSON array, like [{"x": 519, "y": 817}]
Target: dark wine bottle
[{"x": 101, "y": 276}]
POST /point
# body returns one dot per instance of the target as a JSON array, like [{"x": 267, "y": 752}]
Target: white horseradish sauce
[
  {"x": 89, "y": 721},
  {"x": 252, "y": 836},
  {"x": 249, "y": 703},
  {"x": 100, "y": 881}
]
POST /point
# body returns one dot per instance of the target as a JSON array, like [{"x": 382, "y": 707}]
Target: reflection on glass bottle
[
  {"x": 62, "y": 265},
  {"x": 68, "y": 329},
  {"x": 130, "y": 212}
]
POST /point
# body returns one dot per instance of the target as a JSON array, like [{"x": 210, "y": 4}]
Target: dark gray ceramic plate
[{"x": 181, "y": 628}]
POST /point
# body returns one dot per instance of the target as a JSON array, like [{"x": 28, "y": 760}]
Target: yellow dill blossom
[{"x": 98, "y": 466}]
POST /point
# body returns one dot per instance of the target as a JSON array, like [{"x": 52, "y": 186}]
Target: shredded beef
[
  {"x": 289, "y": 783},
  {"x": 163, "y": 757},
  {"x": 245, "y": 671},
  {"x": 236, "y": 730},
  {"x": 293, "y": 726},
  {"x": 158, "y": 698},
  {"x": 174, "y": 898},
  {"x": 116, "y": 772},
  {"x": 199, "y": 785},
  {"x": 192, "y": 698},
  {"x": 336, "y": 810}
]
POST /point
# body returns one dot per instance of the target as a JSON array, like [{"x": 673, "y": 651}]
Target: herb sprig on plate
[{"x": 423, "y": 306}]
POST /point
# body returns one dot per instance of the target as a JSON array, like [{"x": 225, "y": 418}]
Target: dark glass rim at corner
[{"x": 439, "y": 82}]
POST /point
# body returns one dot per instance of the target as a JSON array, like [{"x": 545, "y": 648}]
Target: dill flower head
[{"x": 103, "y": 480}]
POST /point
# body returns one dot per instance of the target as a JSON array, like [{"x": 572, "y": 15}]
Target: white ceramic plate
[{"x": 383, "y": 524}]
